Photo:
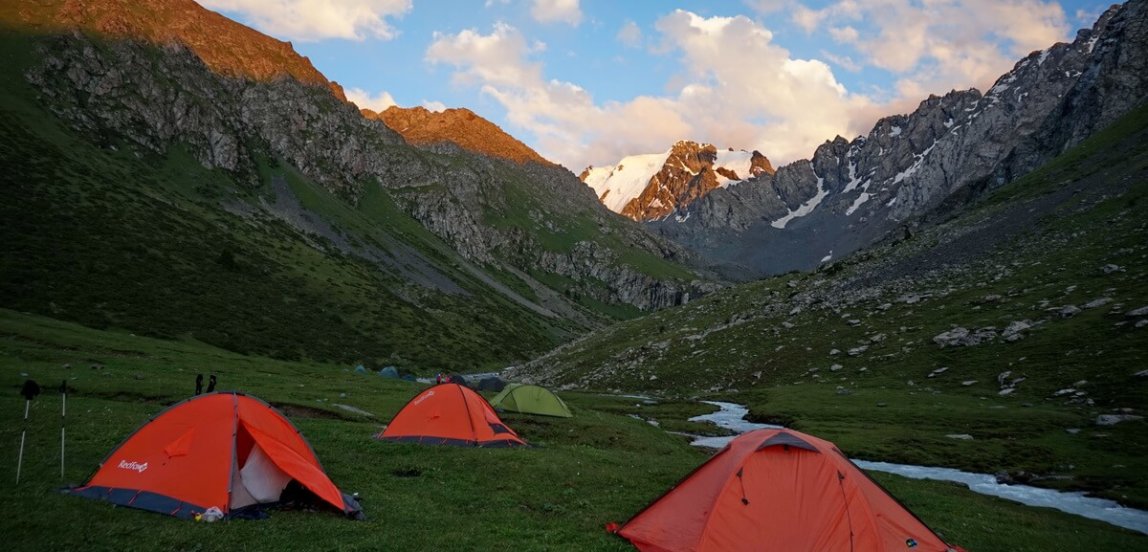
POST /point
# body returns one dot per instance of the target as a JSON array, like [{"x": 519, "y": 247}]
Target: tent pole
[
  {"x": 23, "y": 432},
  {"x": 63, "y": 419}
]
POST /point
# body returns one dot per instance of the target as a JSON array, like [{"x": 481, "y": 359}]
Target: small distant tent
[
  {"x": 530, "y": 399},
  {"x": 779, "y": 489},
  {"x": 450, "y": 414},
  {"x": 492, "y": 383},
  {"x": 389, "y": 372},
  {"x": 226, "y": 450}
]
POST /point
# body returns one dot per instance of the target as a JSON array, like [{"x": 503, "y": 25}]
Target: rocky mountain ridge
[
  {"x": 460, "y": 126},
  {"x": 225, "y": 46},
  {"x": 653, "y": 186},
  {"x": 853, "y": 193}
]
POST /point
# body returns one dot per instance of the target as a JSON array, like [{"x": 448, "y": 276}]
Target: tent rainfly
[
  {"x": 225, "y": 450},
  {"x": 450, "y": 414},
  {"x": 530, "y": 399},
  {"x": 779, "y": 489}
]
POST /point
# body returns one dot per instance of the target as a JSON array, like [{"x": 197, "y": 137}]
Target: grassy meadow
[{"x": 602, "y": 465}]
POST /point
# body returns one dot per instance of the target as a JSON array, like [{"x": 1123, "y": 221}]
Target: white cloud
[
  {"x": 435, "y": 106},
  {"x": 495, "y": 59},
  {"x": 939, "y": 44},
  {"x": 317, "y": 19},
  {"x": 365, "y": 100},
  {"x": 737, "y": 88},
  {"x": 767, "y": 6},
  {"x": 556, "y": 11},
  {"x": 630, "y": 34}
]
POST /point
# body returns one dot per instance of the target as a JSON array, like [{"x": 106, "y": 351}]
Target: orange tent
[
  {"x": 778, "y": 489},
  {"x": 450, "y": 414},
  {"x": 226, "y": 450}
]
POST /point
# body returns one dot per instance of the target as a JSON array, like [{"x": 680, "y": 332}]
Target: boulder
[{"x": 1113, "y": 419}]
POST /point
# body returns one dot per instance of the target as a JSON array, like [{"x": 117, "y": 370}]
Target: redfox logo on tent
[
  {"x": 132, "y": 465},
  {"x": 425, "y": 397}
]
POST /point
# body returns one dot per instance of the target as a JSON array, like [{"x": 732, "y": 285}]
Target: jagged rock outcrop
[
  {"x": 952, "y": 149},
  {"x": 651, "y": 187},
  {"x": 421, "y": 126}
]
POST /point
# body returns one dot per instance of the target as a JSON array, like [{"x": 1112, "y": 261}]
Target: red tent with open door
[
  {"x": 779, "y": 490},
  {"x": 226, "y": 450},
  {"x": 450, "y": 414}
]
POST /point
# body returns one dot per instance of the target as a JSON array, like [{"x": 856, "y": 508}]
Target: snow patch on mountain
[
  {"x": 618, "y": 184},
  {"x": 805, "y": 208},
  {"x": 740, "y": 162}
]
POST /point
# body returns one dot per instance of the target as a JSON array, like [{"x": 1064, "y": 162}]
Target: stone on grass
[
  {"x": 1113, "y": 419},
  {"x": 960, "y": 436}
]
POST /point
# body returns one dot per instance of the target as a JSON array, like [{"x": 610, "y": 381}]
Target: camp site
[{"x": 574, "y": 275}]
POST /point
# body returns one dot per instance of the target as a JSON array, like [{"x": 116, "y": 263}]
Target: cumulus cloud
[
  {"x": 365, "y": 100},
  {"x": 556, "y": 11},
  {"x": 767, "y": 6},
  {"x": 937, "y": 45},
  {"x": 435, "y": 106},
  {"x": 630, "y": 34},
  {"x": 737, "y": 88},
  {"x": 318, "y": 19}
]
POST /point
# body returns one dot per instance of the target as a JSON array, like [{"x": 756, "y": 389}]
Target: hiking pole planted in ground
[
  {"x": 30, "y": 390},
  {"x": 63, "y": 418}
]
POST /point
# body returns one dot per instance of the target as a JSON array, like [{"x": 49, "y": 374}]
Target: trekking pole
[
  {"x": 63, "y": 419},
  {"x": 30, "y": 390}
]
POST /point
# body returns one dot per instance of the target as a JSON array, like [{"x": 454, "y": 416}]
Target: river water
[{"x": 732, "y": 416}]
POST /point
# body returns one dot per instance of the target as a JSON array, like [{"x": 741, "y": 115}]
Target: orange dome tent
[
  {"x": 450, "y": 414},
  {"x": 779, "y": 490},
  {"x": 226, "y": 450}
]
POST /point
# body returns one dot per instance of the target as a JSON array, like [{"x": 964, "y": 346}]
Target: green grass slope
[
  {"x": 848, "y": 352},
  {"x": 602, "y": 465},
  {"x": 110, "y": 237}
]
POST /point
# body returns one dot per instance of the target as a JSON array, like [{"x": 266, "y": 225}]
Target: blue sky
[{"x": 588, "y": 82}]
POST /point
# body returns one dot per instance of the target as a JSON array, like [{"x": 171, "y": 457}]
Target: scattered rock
[
  {"x": 877, "y": 338},
  {"x": 1007, "y": 391},
  {"x": 962, "y": 337},
  {"x": 1012, "y": 333},
  {"x": 843, "y": 391},
  {"x": 787, "y": 324},
  {"x": 967, "y": 383},
  {"x": 1141, "y": 374},
  {"x": 1113, "y": 419},
  {"x": 960, "y": 436},
  {"x": 1072, "y": 430},
  {"x": 653, "y": 377},
  {"x": 882, "y": 405},
  {"x": 1096, "y": 303},
  {"x": 1141, "y": 323},
  {"x": 937, "y": 372},
  {"x": 884, "y": 306},
  {"x": 834, "y": 352},
  {"x": 1142, "y": 311},
  {"x": 853, "y": 322},
  {"x": 835, "y": 367},
  {"x": 1110, "y": 268},
  {"x": 858, "y": 350},
  {"x": 1063, "y": 392},
  {"x": 1068, "y": 311}
]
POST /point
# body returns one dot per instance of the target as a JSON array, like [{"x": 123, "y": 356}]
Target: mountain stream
[{"x": 732, "y": 416}]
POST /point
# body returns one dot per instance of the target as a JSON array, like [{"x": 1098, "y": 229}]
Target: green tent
[{"x": 530, "y": 399}]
